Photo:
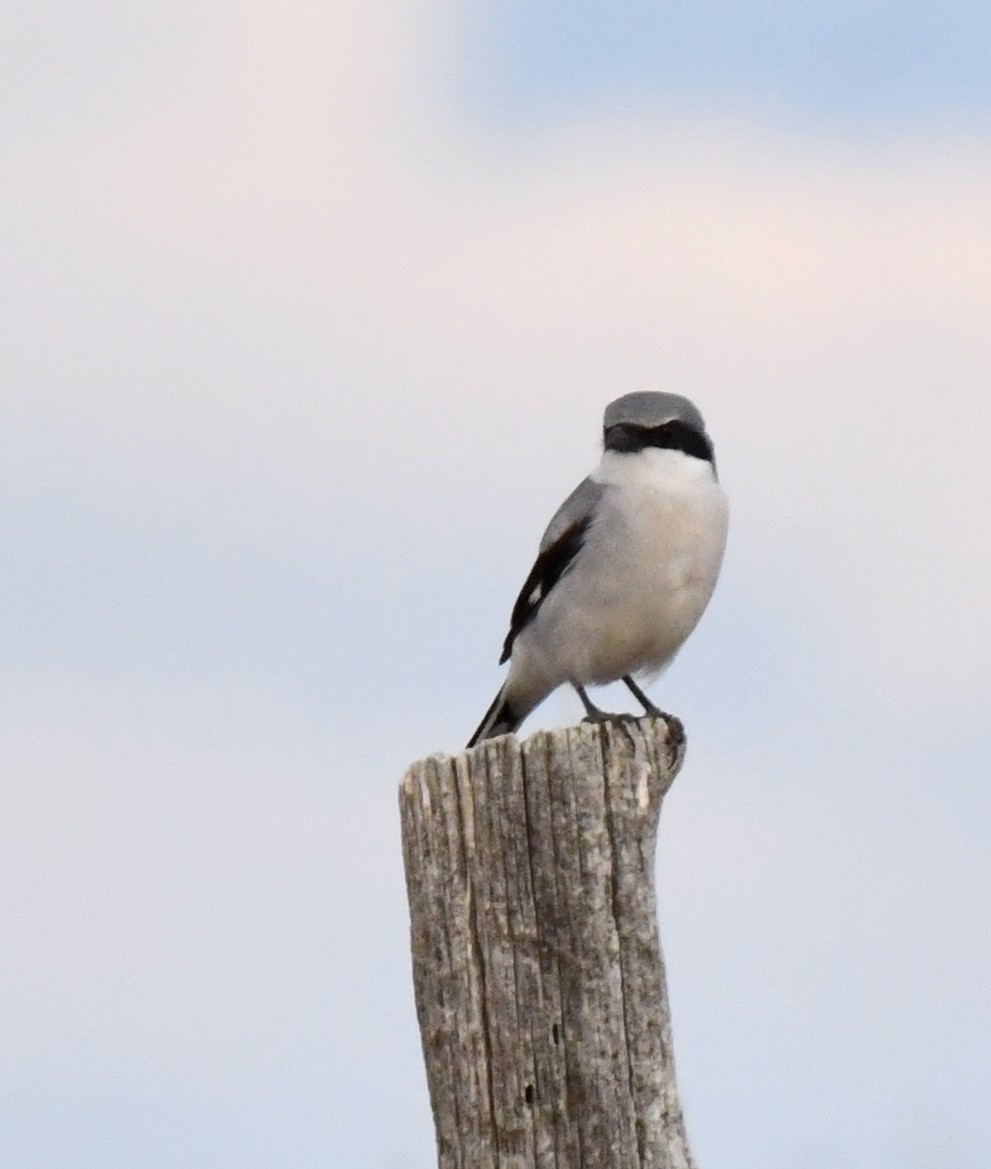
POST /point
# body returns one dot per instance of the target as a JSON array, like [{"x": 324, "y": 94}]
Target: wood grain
[{"x": 537, "y": 967}]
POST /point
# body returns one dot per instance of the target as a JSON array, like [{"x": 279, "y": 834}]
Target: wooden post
[{"x": 537, "y": 966}]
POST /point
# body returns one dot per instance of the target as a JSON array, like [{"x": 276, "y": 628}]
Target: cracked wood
[{"x": 537, "y": 967}]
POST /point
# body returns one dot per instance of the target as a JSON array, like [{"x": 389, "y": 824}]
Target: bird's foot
[
  {"x": 656, "y": 712},
  {"x": 598, "y": 717}
]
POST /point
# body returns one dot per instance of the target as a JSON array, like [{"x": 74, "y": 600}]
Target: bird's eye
[
  {"x": 623, "y": 438},
  {"x": 628, "y": 438},
  {"x": 679, "y": 436}
]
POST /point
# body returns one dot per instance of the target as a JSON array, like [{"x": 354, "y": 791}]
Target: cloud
[
  {"x": 303, "y": 282},
  {"x": 301, "y": 358}
]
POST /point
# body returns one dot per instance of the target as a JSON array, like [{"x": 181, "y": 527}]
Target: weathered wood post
[{"x": 537, "y": 966}]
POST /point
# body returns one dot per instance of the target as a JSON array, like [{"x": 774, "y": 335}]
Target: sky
[{"x": 310, "y": 313}]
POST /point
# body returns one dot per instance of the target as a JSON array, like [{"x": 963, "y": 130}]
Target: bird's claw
[{"x": 605, "y": 716}]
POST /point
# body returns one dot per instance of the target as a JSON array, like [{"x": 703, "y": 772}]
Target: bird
[{"x": 626, "y": 566}]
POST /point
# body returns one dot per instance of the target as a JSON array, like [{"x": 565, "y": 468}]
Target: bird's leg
[
  {"x": 638, "y": 694},
  {"x": 592, "y": 712}
]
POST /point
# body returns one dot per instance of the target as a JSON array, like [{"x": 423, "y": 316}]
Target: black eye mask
[{"x": 627, "y": 438}]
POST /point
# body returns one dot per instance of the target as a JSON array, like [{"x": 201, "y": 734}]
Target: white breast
[{"x": 648, "y": 568}]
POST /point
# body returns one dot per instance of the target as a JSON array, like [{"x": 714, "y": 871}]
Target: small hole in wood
[
  {"x": 528, "y": 1094},
  {"x": 556, "y": 1033}
]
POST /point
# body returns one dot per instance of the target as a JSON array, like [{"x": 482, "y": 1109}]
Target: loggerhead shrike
[{"x": 626, "y": 566}]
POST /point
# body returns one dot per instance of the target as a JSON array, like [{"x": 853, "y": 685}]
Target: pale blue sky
[
  {"x": 842, "y": 67},
  {"x": 310, "y": 313}
]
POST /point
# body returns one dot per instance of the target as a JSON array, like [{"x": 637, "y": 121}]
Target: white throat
[{"x": 653, "y": 466}]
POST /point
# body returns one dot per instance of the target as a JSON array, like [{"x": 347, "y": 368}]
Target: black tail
[{"x": 500, "y": 719}]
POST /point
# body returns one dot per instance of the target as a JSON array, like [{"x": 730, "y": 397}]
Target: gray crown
[{"x": 650, "y": 408}]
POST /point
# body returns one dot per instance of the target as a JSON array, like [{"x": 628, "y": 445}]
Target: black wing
[{"x": 552, "y": 563}]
